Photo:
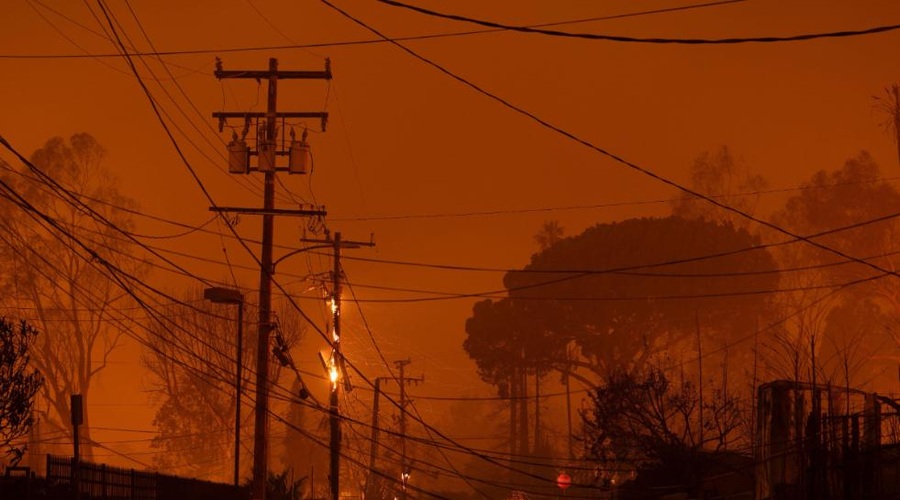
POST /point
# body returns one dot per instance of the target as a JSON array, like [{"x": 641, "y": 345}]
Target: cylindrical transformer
[
  {"x": 238, "y": 157},
  {"x": 300, "y": 157},
  {"x": 267, "y": 157}
]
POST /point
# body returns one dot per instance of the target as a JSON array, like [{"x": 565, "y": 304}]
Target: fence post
[{"x": 73, "y": 478}]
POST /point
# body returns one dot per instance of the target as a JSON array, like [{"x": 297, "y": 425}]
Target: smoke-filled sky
[{"x": 440, "y": 173}]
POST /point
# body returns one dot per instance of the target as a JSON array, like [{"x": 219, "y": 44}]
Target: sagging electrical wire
[{"x": 652, "y": 40}]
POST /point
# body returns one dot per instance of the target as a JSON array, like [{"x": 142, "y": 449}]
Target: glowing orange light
[{"x": 333, "y": 373}]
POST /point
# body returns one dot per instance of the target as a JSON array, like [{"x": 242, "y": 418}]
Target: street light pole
[{"x": 220, "y": 295}]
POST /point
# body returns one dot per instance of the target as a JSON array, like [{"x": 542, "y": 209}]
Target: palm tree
[
  {"x": 890, "y": 105},
  {"x": 550, "y": 233}
]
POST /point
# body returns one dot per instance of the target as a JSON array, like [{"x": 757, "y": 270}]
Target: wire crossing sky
[{"x": 453, "y": 185}]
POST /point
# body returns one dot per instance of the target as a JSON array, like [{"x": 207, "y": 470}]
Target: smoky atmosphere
[{"x": 411, "y": 249}]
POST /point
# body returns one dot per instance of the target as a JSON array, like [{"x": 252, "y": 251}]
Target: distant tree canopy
[
  {"x": 620, "y": 307},
  {"x": 502, "y": 334},
  {"x": 623, "y": 292},
  {"x": 858, "y": 194},
  {"x": 66, "y": 291},
  {"x": 843, "y": 312},
  {"x": 720, "y": 175},
  {"x": 191, "y": 358},
  {"x": 625, "y": 306},
  {"x": 191, "y": 361}
]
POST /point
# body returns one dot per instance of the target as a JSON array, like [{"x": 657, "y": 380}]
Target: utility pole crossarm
[
  {"x": 343, "y": 243},
  {"x": 270, "y": 211},
  {"x": 274, "y": 72},
  {"x": 323, "y": 115},
  {"x": 281, "y": 75}
]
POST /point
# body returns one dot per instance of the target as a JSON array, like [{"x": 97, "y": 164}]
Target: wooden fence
[{"x": 104, "y": 482}]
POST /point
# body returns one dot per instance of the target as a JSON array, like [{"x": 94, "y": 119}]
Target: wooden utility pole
[
  {"x": 895, "y": 115},
  {"x": 699, "y": 375},
  {"x": 373, "y": 451},
  {"x": 524, "y": 448},
  {"x": 537, "y": 410},
  {"x": 401, "y": 380},
  {"x": 267, "y": 151},
  {"x": 374, "y": 448},
  {"x": 513, "y": 418},
  {"x": 569, "y": 402},
  {"x": 336, "y": 363},
  {"x": 76, "y": 410},
  {"x": 334, "y": 415}
]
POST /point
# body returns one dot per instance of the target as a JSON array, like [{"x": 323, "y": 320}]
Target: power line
[
  {"x": 104, "y": 36},
  {"x": 629, "y": 271},
  {"x": 148, "y": 311},
  {"x": 258, "y": 479},
  {"x": 193, "y": 172},
  {"x": 628, "y": 39},
  {"x": 625, "y": 271},
  {"x": 95, "y": 261},
  {"x": 247, "y": 184},
  {"x": 497, "y": 294},
  {"x": 66, "y": 194},
  {"x": 71, "y": 198},
  {"x": 604, "y": 152},
  {"x": 492, "y": 294},
  {"x": 201, "y": 228},
  {"x": 346, "y": 43},
  {"x": 619, "y": 204},
  {"x": 583, "y": 273},
  {"x": 457, "y": 446}
]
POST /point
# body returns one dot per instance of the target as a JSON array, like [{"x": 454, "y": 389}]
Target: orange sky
[{"x": 405, "y": 140}]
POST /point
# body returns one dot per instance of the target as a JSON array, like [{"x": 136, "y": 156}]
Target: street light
[{"x": 219, "y": 295}]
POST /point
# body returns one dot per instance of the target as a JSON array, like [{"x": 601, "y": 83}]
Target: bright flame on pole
[
  {"x": 333, "y": 373},
  {"x": 334, "y": 312}
]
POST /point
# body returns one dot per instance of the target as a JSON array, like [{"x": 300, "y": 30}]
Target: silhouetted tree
[
  {"x": 508, "y": 342},
  {"x": 19, "y": 384},
  {"x": 550, "y": 233},
  {"x": 641, "y": 420},
  {"x": 65, "y": 291},
  {"x": 719, "y": 175},
  {"x": 282, "y": 487},
  {"x": 627, "y": 296},
  {"x": 191, "y": 359},
  {"x": 191, "y": 356},
  {"x": 625, "y": 292},
  {"x": 857, "y": 349},
  {"x": 889, "y": 104},
  {"x": 854, "y": 197}
]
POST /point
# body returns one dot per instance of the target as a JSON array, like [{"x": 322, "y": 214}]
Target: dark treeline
[{"x": 671, "y": 322}]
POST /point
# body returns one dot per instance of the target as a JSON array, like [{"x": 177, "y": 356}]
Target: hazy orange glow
[{"x": 437, "y": 172}]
